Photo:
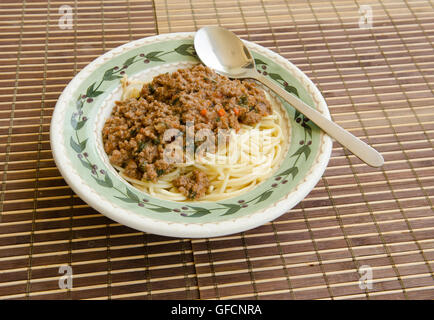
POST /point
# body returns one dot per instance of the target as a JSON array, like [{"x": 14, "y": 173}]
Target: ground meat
[
  {"x": 251, "y": 117},
  {"x": 193, "y": 185},
  {"x": 131, "y": 169},
  {"x": 134, "y": 134}
]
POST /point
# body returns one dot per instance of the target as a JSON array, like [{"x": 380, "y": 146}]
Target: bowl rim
[{"x": 177, "y": 229}]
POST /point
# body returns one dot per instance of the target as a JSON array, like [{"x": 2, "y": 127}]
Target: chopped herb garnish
[
  {"x": 217, "y": 119},
  {"x": 151, "y": 88},
  {"x": 242, "y": 101},
  {"x": 192, "y": 194},
  {"x": 160, "y": 172},
  {"x": 133, "y": 132},
  {"x": 142, "y": 144},
  {"x": 156, "y": 141}
]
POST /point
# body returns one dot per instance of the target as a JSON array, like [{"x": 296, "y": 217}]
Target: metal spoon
[{"x": 223, "y": 51}]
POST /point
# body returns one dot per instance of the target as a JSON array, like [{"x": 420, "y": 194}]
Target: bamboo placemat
[{"x": 378, "y": 82}]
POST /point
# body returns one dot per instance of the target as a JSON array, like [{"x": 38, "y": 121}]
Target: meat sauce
[{"x": 133, "y": 135}]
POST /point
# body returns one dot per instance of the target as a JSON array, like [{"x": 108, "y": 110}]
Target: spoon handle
[{"x": 360, "y": 149}]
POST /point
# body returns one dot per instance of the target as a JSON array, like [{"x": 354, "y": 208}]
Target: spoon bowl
[{"x": 222, "y": 51}]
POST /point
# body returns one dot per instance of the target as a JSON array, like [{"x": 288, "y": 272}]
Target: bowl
[{"x": 86, "y": 102}]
